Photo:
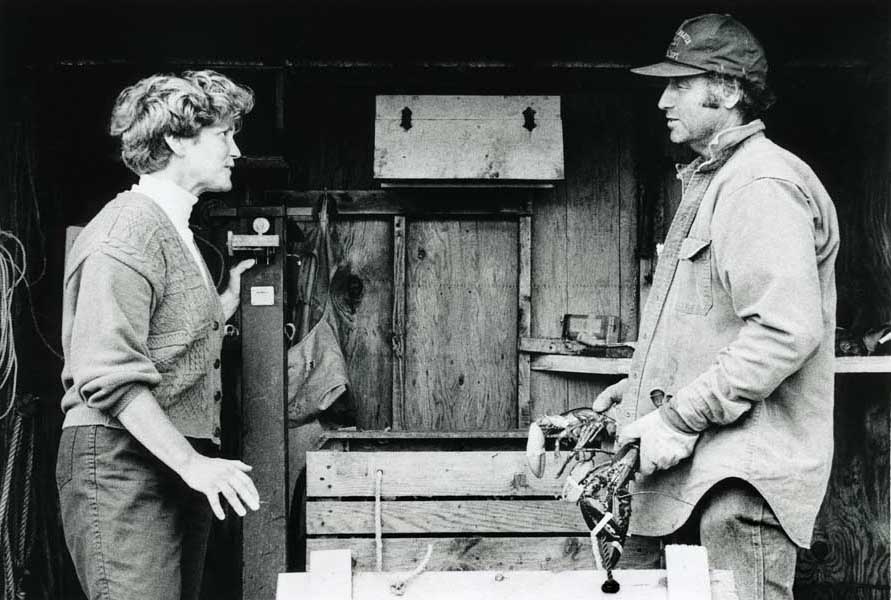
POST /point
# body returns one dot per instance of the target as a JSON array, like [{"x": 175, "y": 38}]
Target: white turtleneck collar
[{"x": 176, "y": 202}]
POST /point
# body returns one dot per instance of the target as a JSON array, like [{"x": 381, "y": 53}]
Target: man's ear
[
  {"x": 176, "y": 144},
  {"x": 731, "y": 94}
]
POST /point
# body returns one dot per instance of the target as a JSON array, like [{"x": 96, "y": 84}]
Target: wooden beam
[
  {"x": 524, "y": 320},
  {"x": 264, "y": 423},
  {"x": 426, "y": 203},
  {"x": 581, "y": 364},
  {"x": 398, "y": 323}
]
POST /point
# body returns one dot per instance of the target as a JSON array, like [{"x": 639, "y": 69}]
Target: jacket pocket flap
[{"x": 690, "y": 247}]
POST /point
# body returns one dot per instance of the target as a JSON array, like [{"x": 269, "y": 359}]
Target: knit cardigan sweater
[{"x": 138, "y": 317}]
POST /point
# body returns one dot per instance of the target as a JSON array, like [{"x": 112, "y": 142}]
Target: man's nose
[
  {"x": 234, "y": 152},
  {"x": 666, "y": 100}
]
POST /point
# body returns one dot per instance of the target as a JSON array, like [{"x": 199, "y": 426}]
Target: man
[
  {"x": 731, "y": 386},
  {"x": 142, "y": 327}
]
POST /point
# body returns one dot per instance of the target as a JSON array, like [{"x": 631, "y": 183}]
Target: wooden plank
[
  {"x": 468, "y": 137},
  {"x": 593, "y": 365},
  {"x": 341, "y": 517},
  {"x": 466, "y": 553},
  {"x": 264, "y": 426},
  {"x": 461, "y": 323},
  {"x": 688, "y": 574},
  {"x": 863, "y": 364},
  {"x": 335, "y": 474},
  {"x": 574, "y": 348},
  {"x": 426, "y": 203},
  {"x": 389, "y": 436},
  {"x": 629, "y": 266},
  {"x": 525, "y": 585},
  {"x": 524, "y": 316},
  {"x": 398, "y": 324},
  {"x": 581, "y": 364},
  {"x": 363, "y": 295}
]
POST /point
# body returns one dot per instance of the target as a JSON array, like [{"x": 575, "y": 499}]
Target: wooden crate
[{"x": 480, "y": 510}]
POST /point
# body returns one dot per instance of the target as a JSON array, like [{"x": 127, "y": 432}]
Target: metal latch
[{"x": 258, "y": 244}]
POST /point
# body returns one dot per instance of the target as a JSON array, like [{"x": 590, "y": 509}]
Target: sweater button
[
  {"x": 216, "y": 364},
  {"x": 217, "y": 395},
  {"x": 216, "y": 325},
  {"x": 216, "y": 432}
]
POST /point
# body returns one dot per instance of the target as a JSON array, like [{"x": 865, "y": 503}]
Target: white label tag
[{"x": 262, "y": 295}]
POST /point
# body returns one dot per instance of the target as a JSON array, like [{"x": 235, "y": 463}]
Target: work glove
[
  {"x": 662, "y": 445},
  {"x": 610, "y": 396}
]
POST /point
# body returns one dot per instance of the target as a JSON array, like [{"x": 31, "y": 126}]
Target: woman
[{"x": 142, "y": 330}]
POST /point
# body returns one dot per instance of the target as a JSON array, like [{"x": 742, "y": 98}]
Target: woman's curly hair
[{"x": 161, "y": 105}]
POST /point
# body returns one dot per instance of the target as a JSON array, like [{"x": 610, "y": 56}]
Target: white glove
[
  {"x": 662, "y": 446},
  {"x": 610, "y": 396}
]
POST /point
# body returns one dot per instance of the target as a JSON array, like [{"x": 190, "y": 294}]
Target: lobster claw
[{"x": 535, "y": 450}]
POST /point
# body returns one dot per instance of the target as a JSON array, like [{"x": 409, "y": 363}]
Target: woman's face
[{"x": 209, "y": 158}]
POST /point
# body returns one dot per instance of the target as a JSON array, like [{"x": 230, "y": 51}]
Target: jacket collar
[{"x": 721, "y": 148}]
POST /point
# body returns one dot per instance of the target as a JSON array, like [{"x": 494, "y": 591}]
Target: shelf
[{"x": 619, "y": 366}]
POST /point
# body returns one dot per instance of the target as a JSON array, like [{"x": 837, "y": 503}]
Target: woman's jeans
[
  {"x": 741, "y": 534},
  {"x": 135, "y": 530}
]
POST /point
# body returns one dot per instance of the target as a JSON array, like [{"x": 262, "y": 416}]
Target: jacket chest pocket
[{"x": 693, "y": 279}]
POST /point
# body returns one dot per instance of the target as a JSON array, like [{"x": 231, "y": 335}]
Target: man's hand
[
  {"x": 662, "y": 446},
  {"x": 229, "y": 298},
  {"x": 610, "y": 396},
  {"x": 215, "y": 476}
]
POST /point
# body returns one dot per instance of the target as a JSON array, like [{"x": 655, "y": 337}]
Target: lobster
[{"x": 599, "y": 488}]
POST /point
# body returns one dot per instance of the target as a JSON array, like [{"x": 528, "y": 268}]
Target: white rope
[
  {"x": 398, "y": 587},
  {"x": 11, "y": 274},
  {"x": 378, "y": 536}
]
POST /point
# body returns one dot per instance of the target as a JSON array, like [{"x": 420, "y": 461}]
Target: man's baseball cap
[{"x": 716, "y": 43}]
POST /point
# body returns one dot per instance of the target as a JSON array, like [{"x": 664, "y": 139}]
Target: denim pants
[
  {"x": 741, "y": 533},
  {"x": 134, "y": 529}
]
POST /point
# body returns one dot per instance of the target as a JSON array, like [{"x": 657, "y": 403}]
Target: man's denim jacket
[{"x": 742, "y": 337}]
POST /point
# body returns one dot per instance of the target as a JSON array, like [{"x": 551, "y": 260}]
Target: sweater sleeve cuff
[{"x": 133, "y": 392}]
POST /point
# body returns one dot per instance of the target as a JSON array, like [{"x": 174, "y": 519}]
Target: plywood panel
[
  {"x": 444, "y": 516},
  {"x": 477, "y": 553},
  {"x": 851, "y": 537},
  {"x": 363, "y": 296},
  {"x": 461, "y": 325}
]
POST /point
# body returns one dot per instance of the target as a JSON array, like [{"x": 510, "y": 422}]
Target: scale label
[{"x": 262, "y": 295}]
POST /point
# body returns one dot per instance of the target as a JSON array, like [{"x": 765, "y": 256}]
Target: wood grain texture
[
  {"x": 585, "y": 239},
  {"x": 851, "y": 539},
  {"x": 397, "y": 325},
  {"x": 461, "y": 325},
  {"x": 334, "y": 517},
  {"x": 476, "y": 553},
  {"x": 264, "y": 428},
  {"x": 524, "y": 319},
  {"x": 362, "y": 291},
  {"x": 496, "y": 473}
]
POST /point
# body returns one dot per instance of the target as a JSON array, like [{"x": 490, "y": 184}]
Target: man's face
[
  {"x": 210, "y": 156},
  {"x": 694, "y": 114}
]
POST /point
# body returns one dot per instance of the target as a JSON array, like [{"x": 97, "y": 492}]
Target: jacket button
[
  {"x": 216, "y": 432},
  {"x": 217, "y": 395},
  {"x": 216, "y": 325},
  {"x": 216, "y": 364}
]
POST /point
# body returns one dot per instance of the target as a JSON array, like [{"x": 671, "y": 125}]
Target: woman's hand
[
  {"x": 215, "y": 476},
  {"x": 229, "y": 298}
]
